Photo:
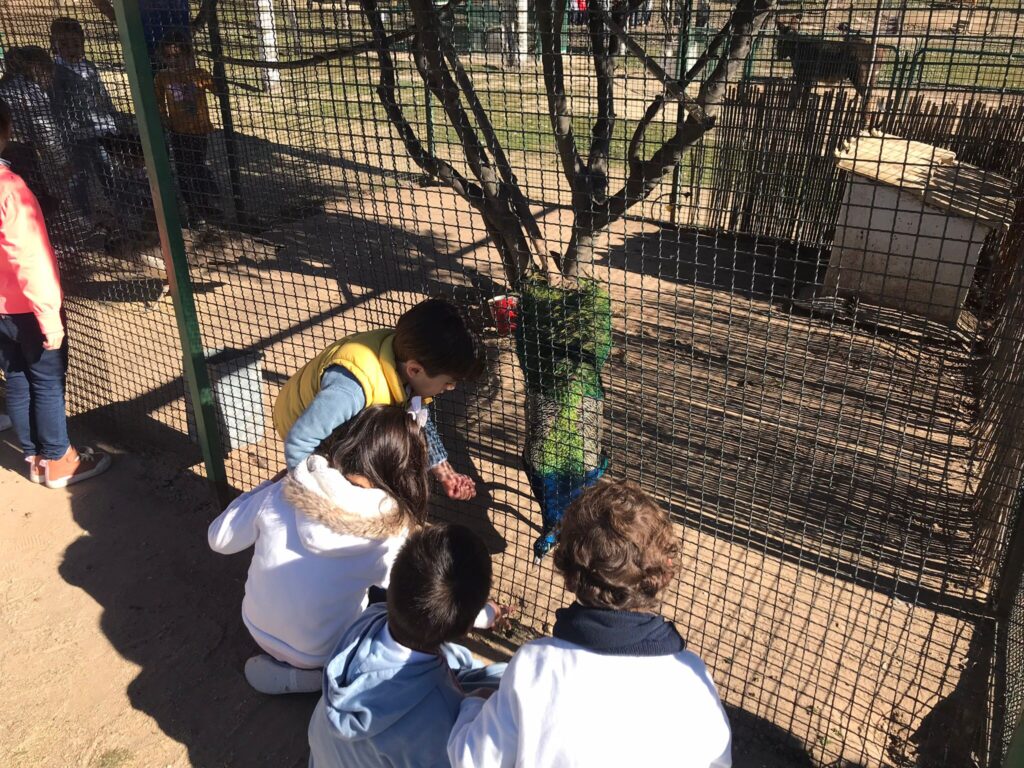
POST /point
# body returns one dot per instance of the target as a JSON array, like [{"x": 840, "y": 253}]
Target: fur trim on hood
[{"x": 326, "y": 497}]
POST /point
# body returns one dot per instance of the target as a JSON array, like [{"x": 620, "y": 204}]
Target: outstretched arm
[{"x": 340, "y": 398}]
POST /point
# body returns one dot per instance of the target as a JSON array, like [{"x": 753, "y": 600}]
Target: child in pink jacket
[{"x": 33, "y": 349}]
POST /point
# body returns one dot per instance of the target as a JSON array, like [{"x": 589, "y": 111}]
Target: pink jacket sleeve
[{"x": 26, "y": 247}]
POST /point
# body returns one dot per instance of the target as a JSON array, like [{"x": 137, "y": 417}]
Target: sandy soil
[{"x": 121, "y": 643}]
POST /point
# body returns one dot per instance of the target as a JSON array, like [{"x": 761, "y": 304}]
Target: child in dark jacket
[
  {"x": 394, "y": 684},
  {"x": 25, "y": 87},
  {"x": 86, "y": 115}
]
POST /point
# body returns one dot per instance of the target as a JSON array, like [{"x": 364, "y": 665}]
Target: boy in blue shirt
[{"x": 394, "y": 684}]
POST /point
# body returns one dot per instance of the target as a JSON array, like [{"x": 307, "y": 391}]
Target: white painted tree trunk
[
  {"x": 267, "y": 29},
  {"x": 522, "y": 25}
]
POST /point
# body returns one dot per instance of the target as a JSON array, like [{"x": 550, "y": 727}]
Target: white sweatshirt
[
  {"x": 320, "y": 543},
  {"x": 560, "y": 706}
]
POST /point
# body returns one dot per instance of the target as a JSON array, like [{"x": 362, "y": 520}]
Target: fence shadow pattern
[{"x": 844, "y": 476}]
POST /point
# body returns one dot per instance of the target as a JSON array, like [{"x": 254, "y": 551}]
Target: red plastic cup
[{"x": 505, "y": 312}]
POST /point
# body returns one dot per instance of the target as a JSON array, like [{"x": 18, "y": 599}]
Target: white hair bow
[{"x": 418, "y": 412}]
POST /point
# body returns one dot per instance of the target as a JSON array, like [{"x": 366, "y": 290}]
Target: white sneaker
[
  {"x": 5, "y": 422},
  {"x": 273, "y": 677}
]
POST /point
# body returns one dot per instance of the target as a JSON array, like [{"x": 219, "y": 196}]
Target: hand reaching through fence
[{"x": 456, "y": 486}]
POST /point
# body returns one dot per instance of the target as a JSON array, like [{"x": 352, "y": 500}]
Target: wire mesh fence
[{"x": 816, "y": 342}]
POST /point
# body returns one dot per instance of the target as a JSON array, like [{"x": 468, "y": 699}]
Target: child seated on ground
[
  {"x": 323, "y": 536},
  {"x": 428, "y": 352},
  {"x": 393, "y": 686},
  {"x": 615, "y": 686},
  {"x": 86, "y": 114}
]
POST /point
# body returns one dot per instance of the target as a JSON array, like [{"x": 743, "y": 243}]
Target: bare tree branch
[
  {"x": 746, "y": 22},
  {"x": 342, "y": 52},
  {"x": 520, "y": 206},
  {"x": 645, "y": 175},
  {"x": 387, "y": 92},
  {"x": 604, "y": 124},
  {"x": 507, "y": 239},
  {"x": 673, "y": 87},
  {"x": 549, "y": 23},
  {"x": 500, "y": 212},
  {"x": 633, "y": 153}
]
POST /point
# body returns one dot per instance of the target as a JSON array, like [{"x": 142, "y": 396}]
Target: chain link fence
[{"x": 816, "y": 332}]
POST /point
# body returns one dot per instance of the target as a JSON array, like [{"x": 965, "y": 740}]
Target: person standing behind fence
[
  {"x": 86, "y": 114},
  {"x": 33, "y": 347},
  {"x": 181, "y": 89},
  {"x": 25, "y": 87},
  {"x": 615, "y": 686}
]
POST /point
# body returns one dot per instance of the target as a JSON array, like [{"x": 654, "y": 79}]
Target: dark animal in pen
[{"x": 817, "y": 60}]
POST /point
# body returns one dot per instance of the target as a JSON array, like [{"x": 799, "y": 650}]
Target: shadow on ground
[{"x": 172, "y": 607}]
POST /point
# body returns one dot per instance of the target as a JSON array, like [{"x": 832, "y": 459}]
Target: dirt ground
[
  {"x": 121, "y": 642},
  {"x": 822, "y": 497}
]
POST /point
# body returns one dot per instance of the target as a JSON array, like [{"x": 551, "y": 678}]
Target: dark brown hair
[
  {"x": 178, "y": 39},
  {"x": 439, "y": 583},
  {"x": 616, "y": 548},
  {"x": 434, "y": 334},
  {"x": 25, "y": 60},
  {"x": 387, "y": 447},
  {"x": 65, "y": 25}
]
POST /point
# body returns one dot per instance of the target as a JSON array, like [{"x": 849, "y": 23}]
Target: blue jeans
[{"x": 35, "y": 386}]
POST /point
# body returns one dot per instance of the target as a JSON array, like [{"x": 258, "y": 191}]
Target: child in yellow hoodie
[{"x": 427, "y": 353}]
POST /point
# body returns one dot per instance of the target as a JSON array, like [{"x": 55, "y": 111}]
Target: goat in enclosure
[{"x": 816, "y": 60}]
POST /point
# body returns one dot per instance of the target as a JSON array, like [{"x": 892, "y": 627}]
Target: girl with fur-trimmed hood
[{"x": 323, "y": 535}]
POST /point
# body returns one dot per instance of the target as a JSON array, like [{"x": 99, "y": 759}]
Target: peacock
[{"x": 563, "y": 339}]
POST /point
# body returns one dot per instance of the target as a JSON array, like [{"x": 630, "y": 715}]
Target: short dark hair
[
  {"x": 387, "y": 447},
  {"x": 616, "y": 548},
  {"x": 434, "y": 334},
  {"x": 5, "y": 118},
  {"x": 178, "y": 38},
  {"x": 440, "y": 581},
  {"x": 22, "y": 59},
  {"x": 65, "y": 24}
]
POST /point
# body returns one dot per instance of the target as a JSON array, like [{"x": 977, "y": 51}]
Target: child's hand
[
  {"x": 494, "y": 616},
  {"x": 456, "y": 486},
  {"x": 503, "y": 615}
]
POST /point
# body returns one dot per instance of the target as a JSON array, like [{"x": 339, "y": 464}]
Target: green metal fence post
[{"x": 140, "y": 77}]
